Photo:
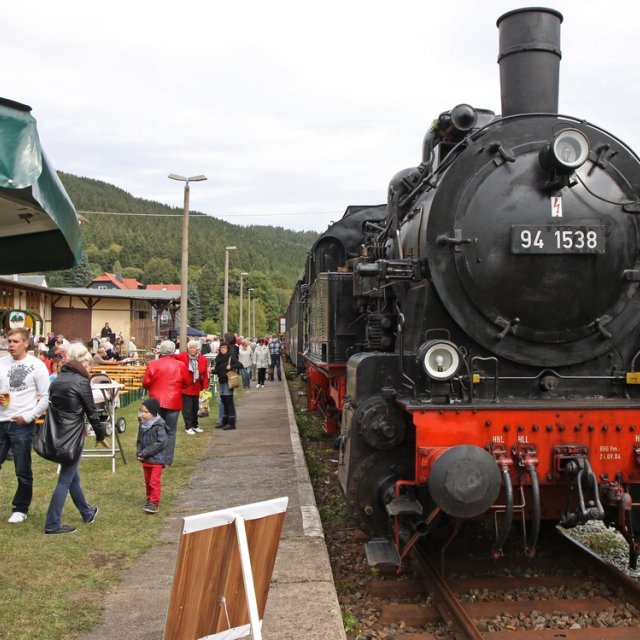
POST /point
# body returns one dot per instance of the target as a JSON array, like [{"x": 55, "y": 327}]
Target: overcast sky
[{"x": 293, "y": 110}]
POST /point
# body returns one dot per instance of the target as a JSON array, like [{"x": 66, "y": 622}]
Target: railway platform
[{"x": 262, "y": 459}]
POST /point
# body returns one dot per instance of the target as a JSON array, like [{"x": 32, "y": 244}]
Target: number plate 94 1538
[{"x": 557, "y": 239}]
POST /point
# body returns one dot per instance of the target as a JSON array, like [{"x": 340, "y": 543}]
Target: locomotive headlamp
[
  {"x": 440, "y": 359},
  {"x": 566, "y": 151}
]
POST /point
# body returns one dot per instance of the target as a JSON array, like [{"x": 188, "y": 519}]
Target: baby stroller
[{"x": 106, "y": 397}]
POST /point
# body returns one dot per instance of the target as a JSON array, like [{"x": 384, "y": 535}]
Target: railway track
[{"x": 568, "y": 593}]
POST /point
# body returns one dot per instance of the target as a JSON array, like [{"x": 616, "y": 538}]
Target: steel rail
[
  {"x": 445, "y": 601},
  {"x": 461, "y": 623}
]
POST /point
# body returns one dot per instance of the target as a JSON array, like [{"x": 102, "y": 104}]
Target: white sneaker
[
  {"x": 199, "y": 430},
  {"x": 190, "y": 432},
  {"x": 17, "y": 516},
  {"x": 257, "y": 386}
]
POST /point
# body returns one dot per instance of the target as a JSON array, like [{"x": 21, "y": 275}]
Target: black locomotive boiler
[{"x": 478, "y": 341}]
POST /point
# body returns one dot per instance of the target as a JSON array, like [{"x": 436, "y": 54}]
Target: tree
[
  {"x": 264, "y": 291},
  {"x": 132, "y": 272},
  {"x": 160, "y": 270},
  {"x": 234, "y": 314},
  {"x": 210, "y": 294},
  {"x": 210, "y": 327},
  {"x": 78, "y": 276},
  {"x": 260, "y": 321},
  {"x": 106, "y": 258},
  {"x": 195, "y": 310}
]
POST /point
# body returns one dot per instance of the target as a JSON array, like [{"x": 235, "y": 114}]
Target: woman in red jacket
[
  {"x": 165, "y": 379},
  {"x": 198, "y": 368}
]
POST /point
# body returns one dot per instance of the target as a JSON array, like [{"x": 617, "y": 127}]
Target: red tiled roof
[
  {"x": 121, "y": 283},
  {"x": 164, "y": 287}
]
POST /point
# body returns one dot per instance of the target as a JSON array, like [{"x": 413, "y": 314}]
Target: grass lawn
[{"x": 52, "y": 586}]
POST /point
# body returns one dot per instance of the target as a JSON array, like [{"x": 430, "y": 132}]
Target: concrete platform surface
[{"x": 262, "y": 459}]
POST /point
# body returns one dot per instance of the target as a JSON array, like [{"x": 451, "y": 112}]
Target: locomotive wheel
[
  {"x": 381, "y": 424},
  {"x": 370, "y": 488},
  {"x": 121, "y": 425}
]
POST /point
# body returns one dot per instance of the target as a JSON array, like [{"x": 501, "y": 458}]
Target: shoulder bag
[
  {"x": 233, "y": 379},
  {"x": 59, "y": 442}
]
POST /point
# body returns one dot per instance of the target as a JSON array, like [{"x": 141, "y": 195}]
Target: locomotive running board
[{"x": 381, "y": 552}]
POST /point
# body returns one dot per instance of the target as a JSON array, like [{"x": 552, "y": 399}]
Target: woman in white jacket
[
  {"x": 244, "y": 358},
  {"x": 262, "y": 360}
]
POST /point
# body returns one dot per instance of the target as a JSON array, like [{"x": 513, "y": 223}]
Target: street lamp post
[
  {"x": 225, "y": 320},
  {"x": 252, "y": 335},
  {"x": 184, "y": 268},
  {"x": 254, "y": 317},
  {"x": 244, "y": 273}
]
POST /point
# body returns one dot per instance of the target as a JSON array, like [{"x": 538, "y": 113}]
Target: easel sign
[{"x": 223, "y": 571}]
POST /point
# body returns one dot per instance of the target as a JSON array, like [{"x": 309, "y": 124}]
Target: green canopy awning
[{"x": 39, "y": 228}]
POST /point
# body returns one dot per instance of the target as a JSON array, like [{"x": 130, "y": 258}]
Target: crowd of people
[
  {"x": 56, "y": 379},
  {"x": 106, "y": 348}
]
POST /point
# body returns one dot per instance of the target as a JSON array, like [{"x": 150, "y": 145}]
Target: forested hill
[
  {"x": 149, "y": 247},
  {"x": 261, "y": 248}
]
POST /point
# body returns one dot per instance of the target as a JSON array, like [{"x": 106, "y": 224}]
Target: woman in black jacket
[
  {"x": 70, "y": 399},
  {"x": 224, "y": 362}
]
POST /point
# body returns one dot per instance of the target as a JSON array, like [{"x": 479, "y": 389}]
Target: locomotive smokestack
[{"x": 529, "y": 60}]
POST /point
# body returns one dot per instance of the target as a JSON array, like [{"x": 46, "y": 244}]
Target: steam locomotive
[{"x": 474, "y": 342}]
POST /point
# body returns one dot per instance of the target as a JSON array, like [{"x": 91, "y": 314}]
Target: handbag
[
  {"x": 59, "y": 442},
  {"x": 233, "y": 379}
]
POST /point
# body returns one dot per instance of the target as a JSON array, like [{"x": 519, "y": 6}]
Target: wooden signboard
[{"x": 223, "y": 571}]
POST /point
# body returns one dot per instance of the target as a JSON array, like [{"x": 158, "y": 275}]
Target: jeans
[
  {"x": 19, "y": 439},
  {"x": 4, "y": 451},
  {"x": 220, "y": 409},
  {"x": 190, "y": 406},
  {"x": 170, "y": 416},
  {"x": 275, "y": 363},
  {"x": 229, "y": 410},
  {"x": 246, "y": 377},
  {"x": 68, "y": 483}
]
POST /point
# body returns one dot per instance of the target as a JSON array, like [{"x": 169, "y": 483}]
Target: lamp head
[
  {"x": 440, "y": 359},
  {"x": 175, "y": 176}
]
